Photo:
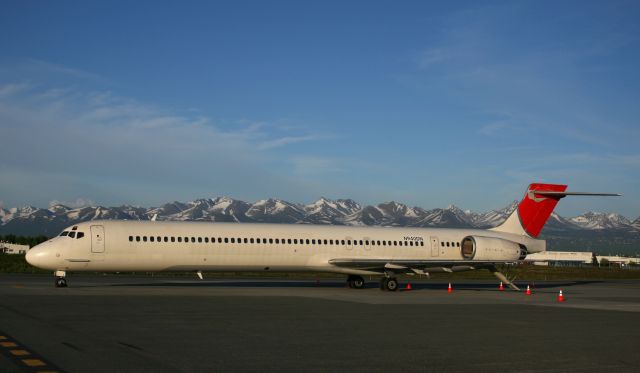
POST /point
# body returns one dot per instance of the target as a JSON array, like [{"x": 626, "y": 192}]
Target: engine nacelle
[{"x": 490, "y": 248}]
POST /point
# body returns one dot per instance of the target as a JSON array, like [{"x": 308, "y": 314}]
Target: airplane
[{"x": 154, "y": 246}]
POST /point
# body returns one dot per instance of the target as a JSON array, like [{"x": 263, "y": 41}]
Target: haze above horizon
[{"x": 428, "y": 104}]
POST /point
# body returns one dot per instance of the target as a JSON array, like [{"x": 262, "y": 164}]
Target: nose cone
[{"x": 41, "y": 257}]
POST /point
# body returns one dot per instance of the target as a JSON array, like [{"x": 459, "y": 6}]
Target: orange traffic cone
[
  {"x": 528, "y": 292},
  {"x": 501, "y": 288},
  {"x": 408, "y": 286},
  {"x": 560, "y": 296},
  {"x": 449, "y": 289}
]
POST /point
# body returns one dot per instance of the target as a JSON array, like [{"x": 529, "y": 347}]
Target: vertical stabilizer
[{"x": 533, "y": 211}]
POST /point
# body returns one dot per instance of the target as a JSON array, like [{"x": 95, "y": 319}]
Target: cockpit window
[
  {"x": 64, "y": 233},
  {"x": 72, "y": 234},
  {"x": 80, "y": 235}
]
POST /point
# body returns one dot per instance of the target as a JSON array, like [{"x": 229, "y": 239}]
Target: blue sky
[{"x": 420, "y": 102}]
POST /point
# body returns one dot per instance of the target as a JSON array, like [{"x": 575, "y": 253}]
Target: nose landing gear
[{"x": 61, "y": 281}]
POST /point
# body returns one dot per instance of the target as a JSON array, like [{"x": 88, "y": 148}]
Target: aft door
[
  {"x": 435, "y": 250},
  {"x": 97, "y": 239}
]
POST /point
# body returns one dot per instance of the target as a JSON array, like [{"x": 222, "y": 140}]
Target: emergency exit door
[
  {"x": 435, "y": 250},
  {"x": 97, "y": 239}
]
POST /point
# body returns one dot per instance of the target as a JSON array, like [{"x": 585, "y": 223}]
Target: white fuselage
[{"x": 206, "y": 246}]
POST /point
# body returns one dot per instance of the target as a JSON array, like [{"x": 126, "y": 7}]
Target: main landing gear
[
  {"x": 389, "y": 283},
  {"x": 61, "y": 281},
  {"x": 355, "y": 282}
]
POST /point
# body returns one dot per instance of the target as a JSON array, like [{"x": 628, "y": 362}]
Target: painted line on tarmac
[{"x": 25, "y": 357}]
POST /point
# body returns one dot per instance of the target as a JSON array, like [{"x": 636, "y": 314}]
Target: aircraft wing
[{"x": 410, "y": 265}]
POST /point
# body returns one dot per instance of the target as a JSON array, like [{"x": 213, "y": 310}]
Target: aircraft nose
[{"x": 39, "y": 257}]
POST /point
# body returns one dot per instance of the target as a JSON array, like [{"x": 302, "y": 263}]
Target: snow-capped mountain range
[{"x": 32, "y": 221}]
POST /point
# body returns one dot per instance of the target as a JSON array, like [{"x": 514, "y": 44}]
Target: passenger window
[
  {"x": 130, "y": 238},
  {"x": 277, "y": 240},
  {"x": 173, "y": 239},
  {"x": 342, "y": 242},
  {"x": 179, "y": 239},
  {"x": 442, "y": 244},
  {"x": 220, "y": 240},
  {"x": 313, "y": 241},
  {"x": 245, "y": 240},
  {"x": 251, "y": 240},
  {"x": 289, "y": 241},
  {"x": 378, "y": 243},
  {"x": 151, "y": 238},
  {"x": 80, "y": 235},
  {"x": 137, "y": 238},
  {"x": 384, "y": 243},
  {"x": 144, "y": 238},
  {"x": 458, "y": 244},
  {"x": 206, "y": 240},
  {"x": 159, "y": 239},
  {"x": 348, "y": 242},
  {"x": 186, "y": 239},
  {"x": 366, "y": 242},
  {"x": 200, "y": 239},
  {"x": 233, "y": 240},
  {"x": 226, "y": 240}
]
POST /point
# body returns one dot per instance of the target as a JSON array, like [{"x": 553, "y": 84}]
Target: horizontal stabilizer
[{"x": 550, "y": 193}]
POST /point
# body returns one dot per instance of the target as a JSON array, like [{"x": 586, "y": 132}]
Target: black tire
[
  {"x": 358, "y": 283},
  {"x": 61, "y": 282},
  {"x": 391, "y": 284}
]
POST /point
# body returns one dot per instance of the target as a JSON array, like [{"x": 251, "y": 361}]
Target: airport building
[
  {"x": 618, "y": 260},
  {"x": 576, "y": 259},
  {"x": 10, "y": 248}
]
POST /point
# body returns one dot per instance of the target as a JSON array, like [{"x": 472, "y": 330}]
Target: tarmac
[{"x": 119, "y": 323}]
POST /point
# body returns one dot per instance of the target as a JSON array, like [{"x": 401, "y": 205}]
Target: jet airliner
[{"x": 150, "y": 246}]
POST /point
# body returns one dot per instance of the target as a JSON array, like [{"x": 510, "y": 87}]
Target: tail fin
[{"x": 536, "y": 207}]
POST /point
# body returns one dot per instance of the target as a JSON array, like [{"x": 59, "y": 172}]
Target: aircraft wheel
[
  {"x": 61, "y": 282},
  {"x": 357, "y": 282},
  {"x": 391, "y": 284}
]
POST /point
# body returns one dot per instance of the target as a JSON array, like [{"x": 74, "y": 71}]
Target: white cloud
[
  {"x": 103, "y": 139},
  {"x": 283, "y": 141},
  {"x": 78, "y": 203},
  {"x": 12, "y": 89}
]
